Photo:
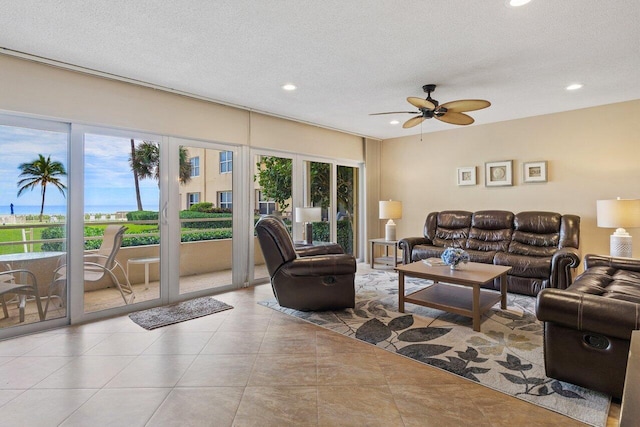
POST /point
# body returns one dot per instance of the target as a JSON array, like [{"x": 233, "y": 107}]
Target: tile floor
[{"x": 250, "y": 366}]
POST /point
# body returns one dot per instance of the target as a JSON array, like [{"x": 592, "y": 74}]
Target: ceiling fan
[{"x": 450, "y": 112}]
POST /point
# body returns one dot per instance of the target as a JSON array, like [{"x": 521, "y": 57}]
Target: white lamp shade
[
  {"x": 308, "y": 214},
  {"x": 618, "y": 213},
  {"x": 390, "y": 209}
]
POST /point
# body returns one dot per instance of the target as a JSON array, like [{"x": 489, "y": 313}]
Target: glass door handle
[{"x": 165, "y": 220}]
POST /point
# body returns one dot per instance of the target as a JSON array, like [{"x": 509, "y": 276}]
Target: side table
[
  {"x": 146, "y": 261},
  {"x": 386, "y": 259}
]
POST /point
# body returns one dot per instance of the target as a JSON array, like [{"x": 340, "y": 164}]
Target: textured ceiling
[{"x": 348, "y": 58}]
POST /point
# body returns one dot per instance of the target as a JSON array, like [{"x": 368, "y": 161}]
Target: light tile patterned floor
[{"x": 250, "y": 366}]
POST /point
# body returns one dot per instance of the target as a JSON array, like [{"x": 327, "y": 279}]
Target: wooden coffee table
[{"x": 467, "y": 299}]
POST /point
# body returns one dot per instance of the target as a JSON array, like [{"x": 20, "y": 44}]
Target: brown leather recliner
[
  {"x": 306, "y": 281},
  {"x": 587, "y": 327}
]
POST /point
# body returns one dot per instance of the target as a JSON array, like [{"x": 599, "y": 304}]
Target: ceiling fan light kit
[{"x": 449, "y": 112}]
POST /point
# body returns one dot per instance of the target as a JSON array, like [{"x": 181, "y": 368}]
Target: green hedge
[
  {"x": 226, "y": 222},
  {"x": 54, "y": 233},
  {"x": 201, "y": 207},
  {"x": 207, "y": 207},
  {"x": 59, "y": 233},
  {"x": 345, "y": 234},
  {"x": 320, "y": 233},
  {"x": 142, "y": 216}
]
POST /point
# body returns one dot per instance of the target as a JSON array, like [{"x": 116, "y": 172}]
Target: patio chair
[
  {"x": 22, "y": 283},
  {"x": 58, "y": 285},
  {"x": 97, "y": 266},
  {"x": 103, "y": 263}
]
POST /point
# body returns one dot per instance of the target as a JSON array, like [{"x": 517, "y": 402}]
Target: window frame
[
  {"x": 221, "y": 202},
  {"x": 226, "y": 164},
  {"x": 195, "y": 166}
]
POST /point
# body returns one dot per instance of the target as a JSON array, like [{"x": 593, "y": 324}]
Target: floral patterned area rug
[{"x": 506, "y": 355}]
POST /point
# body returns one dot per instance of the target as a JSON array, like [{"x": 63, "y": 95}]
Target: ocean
[{"x": 62, "y": 209}]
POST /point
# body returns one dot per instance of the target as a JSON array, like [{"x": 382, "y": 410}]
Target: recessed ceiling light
[
  {"x": 574, "y": 86},
  {"x": 394, "y": 122},
  {"x": 289, "y": 87},
  {"x": 517, "y": 3}
]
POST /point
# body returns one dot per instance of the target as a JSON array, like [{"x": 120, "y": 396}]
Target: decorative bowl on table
[{"x": 454, "y": 256}]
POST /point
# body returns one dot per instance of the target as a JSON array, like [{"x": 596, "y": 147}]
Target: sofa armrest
[
  {"x": 305, "y": 250},
  {"x": 320, "y": 265},
  {"x": 587, "y": 312},
  {"x": 631, "y": 264},
  {"x": 562, "y": 261},
  {"x": 407, "y": 245}
]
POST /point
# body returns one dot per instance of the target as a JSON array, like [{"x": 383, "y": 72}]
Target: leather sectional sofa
[
  {"x": 542, "y": 247},
  {"x": 587, "y": 327}
]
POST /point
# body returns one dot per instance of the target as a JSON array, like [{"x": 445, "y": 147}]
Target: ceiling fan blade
[
  {"x": 455, "y": 118},
  {"x": 466, "y": 105},
  {"x": 396, "y": 112},
  {"x": 421, "y": 103},
  {"x": 413, "y": 122}
]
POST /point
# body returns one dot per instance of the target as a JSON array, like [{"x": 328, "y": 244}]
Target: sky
[{"x": 108, "y": 177}]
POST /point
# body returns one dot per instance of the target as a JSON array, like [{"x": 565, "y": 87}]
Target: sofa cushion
[
  {"x": 485, "y": 257},
  {"x": 490, "y": 231},
  {"x": 525, "y": 266},
  {"x": 537, "y": 222},
  {"x": 609, "y": 282},
  {"x": 426, "y": 251},
  {"x": 526, "y": 285},
  {"x": 535, "y": 234},
  {"x": 452, "y": 229}
]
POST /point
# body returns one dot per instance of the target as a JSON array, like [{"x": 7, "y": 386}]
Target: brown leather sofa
[
  {"x": 587, "y": 327},
  {"x": 541, "y": 247},
  {"x": 308, "y": 280}
]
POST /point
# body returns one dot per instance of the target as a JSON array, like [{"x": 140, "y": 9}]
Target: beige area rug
[
  {"x": 506, "y": 356},
  {"x": 158, "y": 317}
]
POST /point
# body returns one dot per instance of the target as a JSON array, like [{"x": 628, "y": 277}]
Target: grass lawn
[{"x": 15, "y": 234}]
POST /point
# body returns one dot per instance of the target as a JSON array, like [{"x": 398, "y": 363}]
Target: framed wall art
[
  {"x": 467, "y": 175},
  {"x": 534, "y": 171},
  {"x": 498, "y": 174}
]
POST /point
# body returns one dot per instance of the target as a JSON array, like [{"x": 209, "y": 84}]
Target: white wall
[
  {"x": 592, "y": 154},
  {"x": 32, "y": 88}
]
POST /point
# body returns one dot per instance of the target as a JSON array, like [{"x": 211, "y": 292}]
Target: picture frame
[
  {"x": 534, "y": 171},
  {"x": 498, "y": 174},
  {"x": 466, "y": 175}
]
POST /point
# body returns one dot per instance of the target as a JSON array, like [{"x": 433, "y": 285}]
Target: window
[
  {"x": 195, "y": 166},
  {"x": 192, "y": 199},
  {"x": 226, "y": 161},
  {"x": 265, "y": 206},
  {"x": 225, "y": 199}
]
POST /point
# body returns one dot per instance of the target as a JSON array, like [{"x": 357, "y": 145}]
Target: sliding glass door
[
  {"x": 348, "y": 208},
  {"x": 272, "y": 191},
  {"x": 122, "y": 212},
  {"x": 282, "y": 182},
  {"x": 33, "y": 218},
  {"x": 318, "y": 193},
  {"x": 103, "y": 221},
  {"x": 204, "y": 209}
]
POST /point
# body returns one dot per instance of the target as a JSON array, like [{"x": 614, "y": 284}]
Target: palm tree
[
  {"x": 145, "y": 163},
  {"x": 136, "y": 179},
  {"x": 41, "y": 172}
]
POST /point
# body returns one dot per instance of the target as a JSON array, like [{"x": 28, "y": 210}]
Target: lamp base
[
  {"x": 390, "y": 231},
  {"x": 620, "y": 246},
  {"x": 309, "y": 233}
]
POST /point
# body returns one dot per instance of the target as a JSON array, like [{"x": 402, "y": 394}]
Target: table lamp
[
  {"x": 619, "y": 214},
  {"x": 390, "y": 209},
  {"x": 308, "y": 215}
]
